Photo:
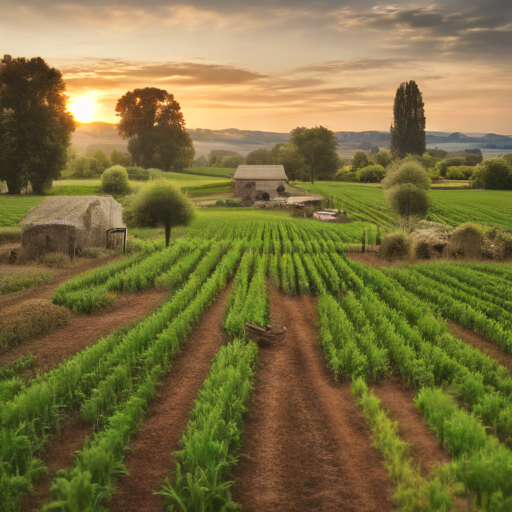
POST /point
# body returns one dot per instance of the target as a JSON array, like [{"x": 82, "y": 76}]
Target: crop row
[{"x": 88, "y": 377}]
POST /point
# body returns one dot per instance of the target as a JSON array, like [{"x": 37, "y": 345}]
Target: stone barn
[
  {"x": 259, "y": 181},
  {"x": 67, "y": 224}
]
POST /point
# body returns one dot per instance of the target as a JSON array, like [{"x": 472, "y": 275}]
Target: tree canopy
[
  {"x": 318, "y": 148},
  {"x": 35, "y": 127},
  {"x": 408, "y": 127},
  {"x": 152, "y": 120},
  {"x": 160, "y": 204}
]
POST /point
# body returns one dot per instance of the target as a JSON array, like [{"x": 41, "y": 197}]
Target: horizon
[{"x": 277, "y": 66}]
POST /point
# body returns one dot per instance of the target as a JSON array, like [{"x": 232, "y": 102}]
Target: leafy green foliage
[{"x": 115, "y": 181}]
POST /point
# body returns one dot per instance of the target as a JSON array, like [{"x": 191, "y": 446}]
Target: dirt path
[
  {"x": 306, "y": 445},
  {"x": 45, "y": 291},
  {"x": 425, "y": 448},
  {"x": 481, "y": 343},
  {"x": 150, "y": 459},
  {"x": 84, "y": 330},
  {"x": 60, "y": 453}
]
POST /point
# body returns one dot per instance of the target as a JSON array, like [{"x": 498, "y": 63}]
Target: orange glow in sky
[{"x": 83, "y": 108}]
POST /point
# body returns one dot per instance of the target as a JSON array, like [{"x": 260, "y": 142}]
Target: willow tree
[{"x": 408, "y": 127}]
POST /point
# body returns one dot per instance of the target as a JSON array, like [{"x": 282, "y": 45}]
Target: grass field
[
  {"x": 210, "y": 171},
  {"x": 453, "y": 207},
  {"x": 14, "y": 208}
]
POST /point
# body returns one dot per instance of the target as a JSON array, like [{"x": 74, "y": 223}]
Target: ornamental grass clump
[{"x": 31, "y": 318}]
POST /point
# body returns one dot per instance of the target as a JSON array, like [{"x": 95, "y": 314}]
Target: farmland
[
  {"x": 307, "y": 424},
  {"x": 453, "y": 207}
]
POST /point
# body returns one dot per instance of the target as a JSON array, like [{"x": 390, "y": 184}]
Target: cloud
[
  {"x": 111, "y": 73},
  {"x": 341, "y": 66}
]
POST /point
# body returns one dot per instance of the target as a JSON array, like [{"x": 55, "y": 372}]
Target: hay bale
[{"x": 68, "y": 224}]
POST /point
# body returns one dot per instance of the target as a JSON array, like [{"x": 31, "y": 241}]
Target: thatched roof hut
[{"x": 68, "y": 224}]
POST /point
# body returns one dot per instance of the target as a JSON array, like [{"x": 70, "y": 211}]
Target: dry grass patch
[
  {"x": 33, "y": 317},
  {"x": 18, "y": 279}
]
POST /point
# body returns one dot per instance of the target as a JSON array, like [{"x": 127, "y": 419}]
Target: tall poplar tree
[{"x": 408, "y": 127}]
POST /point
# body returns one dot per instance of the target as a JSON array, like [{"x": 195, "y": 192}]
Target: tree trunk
[
  {"x": 167, "y": 235},
  {"x": 13, "y": 185}
]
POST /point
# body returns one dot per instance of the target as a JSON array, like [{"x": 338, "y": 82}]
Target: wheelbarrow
[{"x": 268, "y": 335}]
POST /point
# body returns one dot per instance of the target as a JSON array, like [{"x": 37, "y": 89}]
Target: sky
[{"x": 273, "y": 65}]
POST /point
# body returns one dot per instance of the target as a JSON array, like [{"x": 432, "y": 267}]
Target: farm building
[
  {"x": 68, "y": 224},
  {"x": 259, "y": 181}
]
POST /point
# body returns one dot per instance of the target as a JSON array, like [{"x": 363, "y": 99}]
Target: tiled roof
[{"x": 260, "y": 172}]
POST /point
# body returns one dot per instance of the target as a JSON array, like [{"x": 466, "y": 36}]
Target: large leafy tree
[
  {"x": 318, "y": 148},
  {"x": 153, "y": 122},
  {"x": 35, "y": 127},
  {"x": 408, "y": 127}
]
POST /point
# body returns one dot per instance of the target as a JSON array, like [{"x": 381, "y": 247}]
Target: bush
[
  {"x": 383, "y": 158},
  {"x": 55, "y": 260},
  {"x": 420, "y": 249},
  {"x": 466, "y": 240},
  {"x": 395, "y": 246},
  {"x": 408, "y": 172},
  {"x": 115, "y": 181},
  {"x": 408, "y": 200},
  {"x": 31, "y": 318},
  {"x": 455, "y": 173},
  {"x": 493, "y": 174},
  {"x": 371, "y": 174},
  {"x": 349, "y": 176},
  {"x": 220, "y": 202},
  {"x": 442, "y": 167}
]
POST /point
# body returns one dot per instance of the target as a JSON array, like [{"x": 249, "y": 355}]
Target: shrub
[
  {"x": 31, "y": 318},
  {"x": 466, "y": 240},
  {"x": 493, "y": 174},
  {"x": 455, "y": 173},
  {"x": 371, "y": 174},
  {"x": 382, "y": 158},
  {"x": 55, "y": 260},
  {"x": 420, "y": 249},
  {"x": 220, "y": 202},
  {"x": 349, "y": 176},
  {"x": 408, "y": 172},
  {"x": 395, "y": 246},
  {"x": 115, "y": 181},
  {"x": 408, "y": 200},
  {"x": 442, "y": 167}
]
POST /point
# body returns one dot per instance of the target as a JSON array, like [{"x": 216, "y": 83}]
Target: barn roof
[{"x": 260, "y": 172}]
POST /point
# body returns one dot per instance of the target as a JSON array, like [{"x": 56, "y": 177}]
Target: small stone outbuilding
[
  {"x": 68, "y": 224},
  {"x": 259, "y": 181}
]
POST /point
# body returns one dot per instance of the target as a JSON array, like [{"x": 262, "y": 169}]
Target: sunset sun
[{"x": 83, "y": 108}]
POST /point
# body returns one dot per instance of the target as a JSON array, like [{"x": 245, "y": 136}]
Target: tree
[
  {"x": 258, "y": 157},
  {"x": 406, "y": 189},
  {"x": 115, "y": 181},
  {"x": 35, "y": 127},
  {"x": 293, "y": 162},
  {"x": 232, "y": 161},
  {"x": 160, "y": 204},
  {"x": 408, "y": 127},
  {"x": 360, "y": 160},
  {"x": 493, "y": 174},
  {"x": 408, "y": 172},
  {"x": 152, "y": 121},
  {"x": 408, "y": 200},
  {"x": 383, "y": 158},
  {"x": 103, "y": 161},
  {"x": 318, "y": 147}
]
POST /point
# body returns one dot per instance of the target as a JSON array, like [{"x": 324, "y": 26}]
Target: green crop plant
[
  {"x": 414, "y": 493},
  {"x": 212, "y": 439}
]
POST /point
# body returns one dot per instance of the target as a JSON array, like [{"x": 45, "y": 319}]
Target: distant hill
[{"x": 104, "y": 136}]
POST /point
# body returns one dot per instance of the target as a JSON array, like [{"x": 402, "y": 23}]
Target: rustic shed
[
  {"x": 68, "y": 224},
  {"x": 259, "y": 181}
]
